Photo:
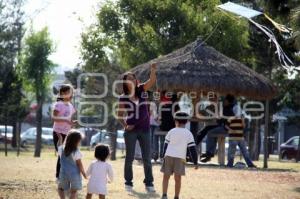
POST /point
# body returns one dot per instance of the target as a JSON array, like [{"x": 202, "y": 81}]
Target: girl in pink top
[{"x": 62, "y": 114}]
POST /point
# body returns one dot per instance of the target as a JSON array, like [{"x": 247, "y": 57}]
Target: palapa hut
[{"x": 198, "y": 67}]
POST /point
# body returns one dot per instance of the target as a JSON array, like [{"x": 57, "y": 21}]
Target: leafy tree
[
  {"x": 36, "y": 69},
  {"x": 137, "y": 31},
  {"x": 72, "y": 76},
  {"x": 12, "y": 102}
]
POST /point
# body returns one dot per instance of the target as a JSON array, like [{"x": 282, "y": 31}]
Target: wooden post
[
  {"x": 266, "y": 134},
  {"x": 221, "y": 150},
  {"x": 18, "y": 134}
]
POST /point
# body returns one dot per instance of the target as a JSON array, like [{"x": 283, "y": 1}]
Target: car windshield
[
  {"x": 2, "y": 129},
  {"x": 295, "y": 142},
  {"x": 47, "y": 131}
]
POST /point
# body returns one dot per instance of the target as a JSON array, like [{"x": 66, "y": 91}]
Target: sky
[{"x": 66, "y": 19}]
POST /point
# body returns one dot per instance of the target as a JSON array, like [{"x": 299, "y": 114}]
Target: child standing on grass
[
  {"x": 235, "y": 126},
  {"x": 100, "y": 173},
  {"x": 178, "y": 141},
  {"x": 71, "y": 165},
  {"x": 63, "y": 111}
]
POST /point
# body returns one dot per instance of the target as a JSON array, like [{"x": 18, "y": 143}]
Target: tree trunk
[
  {"x": 5, "y": 139},
  {"x": 5, "y": 132},
  {"x": 18, "y": 127},
  {"x": 39, "y": 118},
  {"x": 112, "y": 128},
  {"x": 14, "y": 135}
]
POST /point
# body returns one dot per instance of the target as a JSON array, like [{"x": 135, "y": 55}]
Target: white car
[
  {"x": 104, "y": 137},
  {"x": 29, "y": 136},
  {"x": 9, "y": 133}
]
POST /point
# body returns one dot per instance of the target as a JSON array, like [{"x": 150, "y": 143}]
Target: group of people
[
  {"x": 69, "y": 167},
  {"x": 230, "y": 123},
  {"x": 139, "y": 123}
]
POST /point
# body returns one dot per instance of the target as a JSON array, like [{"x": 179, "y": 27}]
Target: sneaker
[
  {"x": 164, "y": 197},
  {"x": 203, "y": 155},
  {"x": 206, "y": 159},
  {"x": 128, "y": 188},
  {"x": 150, "y": 189}
]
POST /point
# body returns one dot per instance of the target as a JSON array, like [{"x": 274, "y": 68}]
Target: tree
[
  {"x": 36, "y": 69},
  {"x": 12, "y": 100},
  {"x": 138, "y": 31}
]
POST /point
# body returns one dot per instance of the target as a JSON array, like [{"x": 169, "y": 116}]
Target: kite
[{"x": 248, "y": 13}]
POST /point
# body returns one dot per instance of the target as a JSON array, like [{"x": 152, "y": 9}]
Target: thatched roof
[{"x": 203, "y": 68}]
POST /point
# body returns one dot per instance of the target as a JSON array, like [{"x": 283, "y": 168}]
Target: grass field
[{"x": 26, "y": 177}]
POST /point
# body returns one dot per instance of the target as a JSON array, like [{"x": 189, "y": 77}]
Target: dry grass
[{"x": 33, "y": 178}]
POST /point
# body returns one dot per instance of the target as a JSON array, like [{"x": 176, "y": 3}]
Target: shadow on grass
[
  {"x": 217, "y": 166},
  {"x": 145, "y": 195},
  {"x": 297, "y": 189}
]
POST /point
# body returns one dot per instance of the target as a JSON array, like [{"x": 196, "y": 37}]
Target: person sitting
[{"x": 213, "y": 131}]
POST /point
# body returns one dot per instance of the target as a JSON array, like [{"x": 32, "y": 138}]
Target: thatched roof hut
[{"x": 198, "y": 67}]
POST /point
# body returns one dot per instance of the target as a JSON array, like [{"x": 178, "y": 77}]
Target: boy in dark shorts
[{"x": 178, "y": 142}]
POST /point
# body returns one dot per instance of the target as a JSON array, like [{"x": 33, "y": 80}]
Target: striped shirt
[{"x": 236, "y": 128}]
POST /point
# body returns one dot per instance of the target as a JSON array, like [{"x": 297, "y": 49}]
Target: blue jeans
[
  {"x": 152, "y": 134},
  {"x": 211, "y": 140},
  {"x": 243, "y": 147},
  {"x": 130, "y": 141},
  {"x": 159, "y": 141}
]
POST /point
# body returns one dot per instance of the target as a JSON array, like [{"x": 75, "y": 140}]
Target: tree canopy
[{"x": 132, "y": 32}]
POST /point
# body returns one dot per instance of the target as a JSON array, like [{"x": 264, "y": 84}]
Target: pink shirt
[{"x": 65, "y": 111}]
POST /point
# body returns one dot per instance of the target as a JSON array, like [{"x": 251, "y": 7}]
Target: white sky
[{"x": 62, "y": 18}]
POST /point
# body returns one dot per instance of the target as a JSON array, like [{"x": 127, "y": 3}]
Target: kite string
[{"x": 198, "y": 45}]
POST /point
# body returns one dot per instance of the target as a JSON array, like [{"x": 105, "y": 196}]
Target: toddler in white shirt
[{"x": 100, "y": 172}]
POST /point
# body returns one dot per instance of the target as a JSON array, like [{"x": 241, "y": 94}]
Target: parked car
[
  {"x": 9, "y": 134},
  {"x": 29, "y": 136},
  {"x": 289, "y": 149},
  {"x": 104, "y": 137}
]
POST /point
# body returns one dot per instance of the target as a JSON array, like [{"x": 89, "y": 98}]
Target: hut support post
[
  {"x": 266, "y": 133},
  {"x": 221, "y": 150}
]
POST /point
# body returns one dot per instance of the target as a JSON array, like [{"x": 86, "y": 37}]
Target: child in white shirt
[
  {"x": 178, "y": 142},
  {"x": 100, "y": 173}
]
